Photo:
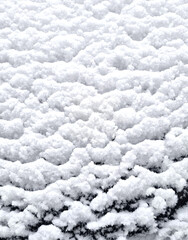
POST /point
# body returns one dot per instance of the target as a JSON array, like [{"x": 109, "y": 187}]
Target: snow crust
[{"x": 94, "y": 119}]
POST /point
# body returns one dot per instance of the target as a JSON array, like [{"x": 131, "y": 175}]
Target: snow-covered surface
[{"x": 93, "y": 119}]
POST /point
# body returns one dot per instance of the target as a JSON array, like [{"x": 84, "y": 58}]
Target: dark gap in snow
[
  {"x": 108, "y": 232},
  {"x": 124, "y": 177},
  {"x": 42, "y": 221},
  {"x": 15, "y": 238},
  {"x": 109, "y": 229},
  {"x": 56, "y": 213},
  {"x": 99, "y": 163},
  {"x": 13, "y": 208},
  {"x": 138, "y": 230},
  {"x": 178, "y": 159},
  {"x": 169, "y": 213},
  {"x": 86, "y": 200},
  {"x": 154, "y": 169},
  {"x": 129, "y": 206},
  {"x": 80, "y": 229},
  {"x": 35, "y": 227},
  {"x": 182, "y": 197},
  {"x": 85, "y": 197}
]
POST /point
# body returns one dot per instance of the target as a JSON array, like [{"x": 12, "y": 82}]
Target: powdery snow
[{"x": 94, "y": 119}]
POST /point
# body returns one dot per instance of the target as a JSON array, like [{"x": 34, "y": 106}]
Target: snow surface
[{"x": 94, "y": 119}]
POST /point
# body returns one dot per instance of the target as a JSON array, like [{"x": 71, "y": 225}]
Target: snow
[{"x": 93, "y": 119}]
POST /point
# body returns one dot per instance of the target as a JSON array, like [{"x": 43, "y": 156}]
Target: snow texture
[{"x": 94, "y": 119}]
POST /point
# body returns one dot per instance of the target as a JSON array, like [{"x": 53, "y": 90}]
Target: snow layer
[{"x": 93, "y": 119}]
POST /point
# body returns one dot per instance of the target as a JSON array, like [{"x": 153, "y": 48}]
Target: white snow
[{"x": 93, "y": 119}]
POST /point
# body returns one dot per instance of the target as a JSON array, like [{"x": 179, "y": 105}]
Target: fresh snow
[{"x": 94, "y": 120}]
